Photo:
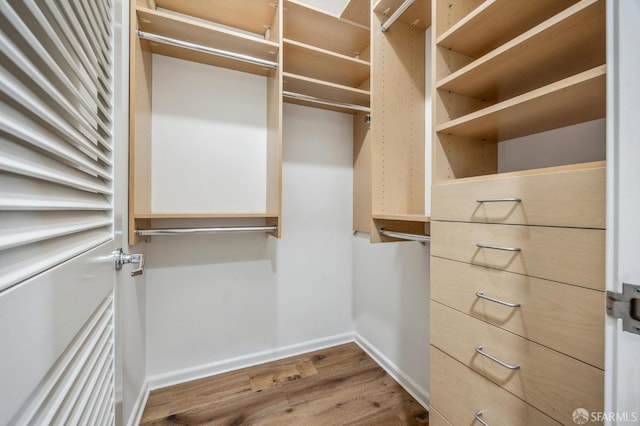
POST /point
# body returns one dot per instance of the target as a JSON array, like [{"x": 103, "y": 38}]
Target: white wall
[{"x": 216, "y": 302}]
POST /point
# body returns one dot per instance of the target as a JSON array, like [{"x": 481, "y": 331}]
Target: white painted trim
[
  {"x": 224, "y": 366},
  {"x": 138, "y": 408},
  {"x": 415, "y": 390}
]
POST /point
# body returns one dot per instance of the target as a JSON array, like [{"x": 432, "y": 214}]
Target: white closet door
[{"x": 56, "y": 212}]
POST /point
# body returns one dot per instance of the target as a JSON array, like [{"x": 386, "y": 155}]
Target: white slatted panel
[
  {"x": 79, "y": 388},
  {"x": 56, "y": 169}
]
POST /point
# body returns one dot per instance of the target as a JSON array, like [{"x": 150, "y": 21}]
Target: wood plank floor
[{"x": 334, "y": 386}]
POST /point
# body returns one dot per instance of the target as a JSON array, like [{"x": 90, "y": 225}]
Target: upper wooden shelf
[
  {"x": 325, "y": 31},
  {"x": 249, "y": 15},
  {"x": 358, "y": 11},
  {"x": 320, "y": 64},
  {"x": 506, "y": 19},
  {"x": 184, "y": 29},
  {"x": 566, "y": 44},
  {"x": 403, "y": 217},
  {"x": 570, "y": 101},
  {"x": 324, "y": 90},
  {"x": 418, "y": 14},
  {"x": 205, "y": 216}
]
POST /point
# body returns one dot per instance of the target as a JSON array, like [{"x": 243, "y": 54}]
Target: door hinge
[
  {"x": 626, "y": 306},
  {"x": 122, "y": 258}
]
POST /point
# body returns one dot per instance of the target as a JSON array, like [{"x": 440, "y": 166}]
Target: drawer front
[
  {"x": 436, "y": 419},
  {"x": 544, "y": 306},
  {"x": 568, "y": 255},
  {"x": 458, "y": 393},
  {"x": 573, "y": 198},
  {"x": 550, "y": 381}
]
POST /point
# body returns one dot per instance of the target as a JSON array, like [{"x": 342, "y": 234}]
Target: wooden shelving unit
[
  {"x": 326, "y": 57},
  {"x": 358, "y": 11},
  {"x": 549, "y": 73},
  {"x": 391, "y": 165},
  {"x": 507, "y": 69},
  {"x": 194, "y": 31},
  {"x": 505, "y": 18},
  {"x": 246, "y": 27},
  {"x": 309, "y": 61},
  {"x": 576, "y": 35}
]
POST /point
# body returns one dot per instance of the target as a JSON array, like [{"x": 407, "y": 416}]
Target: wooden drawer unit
[
  {"x": 554, "y": 383},
  {"x": 544, "y": 306},
  {"x": 575, "y": 194},
  {"x": 568, "y": 255},
  {"x": 436, "y": 419},
  {"x": 458, "y": 393}
]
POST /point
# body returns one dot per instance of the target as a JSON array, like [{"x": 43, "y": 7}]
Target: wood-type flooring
[{"x": 341, "y": 385}]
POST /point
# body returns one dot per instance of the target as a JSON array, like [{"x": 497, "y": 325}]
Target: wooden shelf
[
  {"x": 249, "y": 15},
  {"x": 206, "y": 216},
  {"x": 530, "y": 172},
  {"x": 403, "y": 217},
  {"x": 325, "y": 31},
  {"x": 320, "y": 64},
  {"x": 192, "y": 31},
  {"x": 358, "y": 11},
  {"x": 420, "y": 10},
  {"x": 506, "y": 19},
  {"x": 322, "y": 89},
  {"x": 564, "y": 45},
  {"x": 570, "y": 101}
]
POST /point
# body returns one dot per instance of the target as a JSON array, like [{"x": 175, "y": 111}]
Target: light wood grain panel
[
  {"x": 566, "y": 44},
  {"x": 403, "y": 217},
  {"x": 448, "y": 13},
  {"x": 206, "y": 215},
  {"x": 418, "y": 14},
  {"x": 552, "y": 382},
  {"x": 436, "y": 419},
  {"x": 568, "y": 255},
  {"x": 361, "y": 173},
  {"x": 544, "y": 305},
  {"x": 140, "y": 74},
  {"x": 579, "y": 189},
  {"x": 398, "y": 140},
  {"x": 320, "y": 64},
  {"x": 324, "y": 90},
  {"x": 192, "y": 31},
  {"x": 358, "y": 11},
  {"x": 457, "y": 157},
  {"x": 317, "y": 28},
  {"x": 506, "y": 18},
  {"x": 274, "y": 134},
  {"x": 249, "y": 15},
  {"x": 573, "y": 100},
  {"x": 457, "y": 392}
]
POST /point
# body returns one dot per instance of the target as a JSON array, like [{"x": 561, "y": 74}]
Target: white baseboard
[
  {"x": 419, "y": 393},
  {"x": 138, "y": 407},
  {"x": 206, "y": 370}
]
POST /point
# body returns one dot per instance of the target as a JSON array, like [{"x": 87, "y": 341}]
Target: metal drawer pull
[
  {"x": 481, "y": 295},
  {"x": 492, "y": 358},
  {"x": 489, "y": 246},
  {"x": 479, "y": 419},
  {"x": 499, "y": 200}
]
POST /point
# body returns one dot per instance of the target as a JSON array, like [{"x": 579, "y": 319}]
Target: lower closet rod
[
  {"x": 404, "y": 236},
  {"x": 206, "y": 49},
  {"x": 313, "y": 99},
  {"x": 219, "y": 230}
]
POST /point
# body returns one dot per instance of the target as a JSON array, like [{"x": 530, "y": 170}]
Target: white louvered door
[{"x": 56, "y": 212}]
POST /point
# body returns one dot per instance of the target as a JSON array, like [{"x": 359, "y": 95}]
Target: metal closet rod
[
  {"x": 405, "y": 236},
  {"x": 217, "y": 230},
  {"x": 307, "y": 98},
  {"x": 404, "y": 6},
  {"x": 206, "y": 49}
]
